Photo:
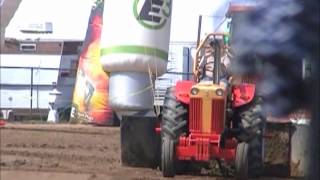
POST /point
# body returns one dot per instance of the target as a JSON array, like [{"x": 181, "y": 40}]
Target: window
[{"x": 28, "y": 47}]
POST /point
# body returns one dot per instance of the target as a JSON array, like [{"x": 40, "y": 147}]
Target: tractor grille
[
  {"x": 195, "y": 115},
  {"x": 217, "y": 116}
]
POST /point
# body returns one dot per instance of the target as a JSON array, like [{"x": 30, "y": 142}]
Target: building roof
[{"x": 48, "y": 20}]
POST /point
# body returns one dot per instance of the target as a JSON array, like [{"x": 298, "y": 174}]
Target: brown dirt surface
[{"x": 69, "y": 152}]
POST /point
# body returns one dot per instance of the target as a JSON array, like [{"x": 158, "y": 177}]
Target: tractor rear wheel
[
  {"x": 174, "y": 123},
  {"x": 256, "y": 156},
  {"x": 252, "y": 121},
  {"x": 174, "y": 116},
  {"x": 241, "y": 161},
  {"x": 252, "y": 125},
  {"x": 167, "y": 157}
]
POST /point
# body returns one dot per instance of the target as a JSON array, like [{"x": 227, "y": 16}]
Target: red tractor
[{"x": 209, "y": 120}]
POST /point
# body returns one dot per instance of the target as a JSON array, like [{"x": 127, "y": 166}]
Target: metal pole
[
  {"x": 188, "y": 63},
  {"x": 217, "y": 61},
  {"x": 199, "y": 30},
  {"x": 31, "y": 92}
]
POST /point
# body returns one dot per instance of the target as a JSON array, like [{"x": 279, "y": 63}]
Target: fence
[{"x": 24, "y": 91}]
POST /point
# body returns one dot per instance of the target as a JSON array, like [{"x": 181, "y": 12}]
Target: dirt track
[{"x": 64, "y": 152}]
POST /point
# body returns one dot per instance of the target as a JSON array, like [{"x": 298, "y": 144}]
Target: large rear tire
[
  {"x": 252, "y": 120},
  {"x": 241, "y": 161},
  {"x": 167, "y": 157},
  {"x": 249, "y": 159},
  {"x": 174, "y": 123},
  {"x": 174, "y": 120},
  {"x": 256, "y": 156},
  {"x": 252, "y": 125}
]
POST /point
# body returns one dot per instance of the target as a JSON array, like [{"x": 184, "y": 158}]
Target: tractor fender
[
  {"x": 183, "y": 90},
  {"x": 242, "y": 94}
]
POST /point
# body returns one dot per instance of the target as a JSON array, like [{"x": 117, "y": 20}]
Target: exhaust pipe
[{"x": 215, "y": 44}]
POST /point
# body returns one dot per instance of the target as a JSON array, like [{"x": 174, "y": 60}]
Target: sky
[
  {"x": 185, "y": 15},
  {"x": 70, "y": 18}
]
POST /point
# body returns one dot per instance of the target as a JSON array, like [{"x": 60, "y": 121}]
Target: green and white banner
[{"x": 136, "y": 35}]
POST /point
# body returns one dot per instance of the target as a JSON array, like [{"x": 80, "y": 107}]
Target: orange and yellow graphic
[{"x": 90, "y": 98}]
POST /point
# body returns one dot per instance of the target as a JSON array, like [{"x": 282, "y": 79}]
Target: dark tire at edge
[
  {"x": 241, "y": 161},
  {"x": 174, "y": 123},
  {"x": 253, "y": 126}
]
